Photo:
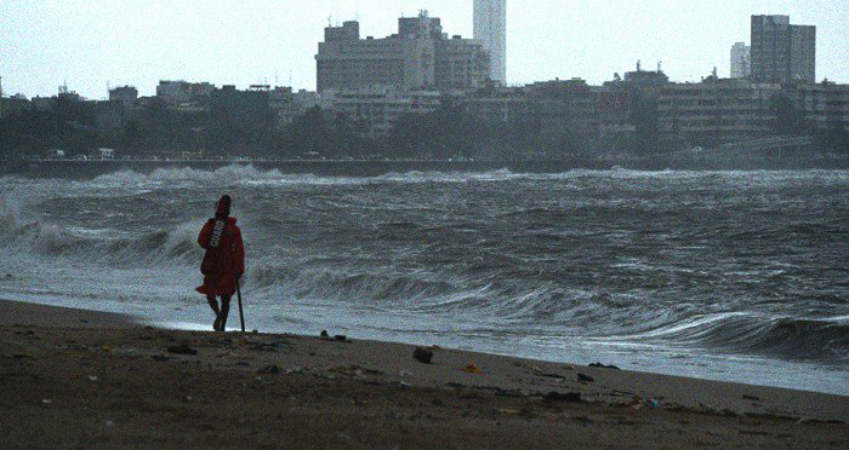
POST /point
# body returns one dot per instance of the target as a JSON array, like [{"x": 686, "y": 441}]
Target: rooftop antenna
[
  {"x": 329, "y": 21},
  {"x": 638, "y": 65},
  {"x": 659, "y": 66}
]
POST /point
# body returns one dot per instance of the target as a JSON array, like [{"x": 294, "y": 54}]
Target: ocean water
[{"x": 735, "y": 276}]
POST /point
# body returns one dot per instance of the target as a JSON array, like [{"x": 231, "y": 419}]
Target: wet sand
[{"x": 82, "y": 379}]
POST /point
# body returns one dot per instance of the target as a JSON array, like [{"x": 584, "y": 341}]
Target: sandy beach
[{"x": 82, "y": 379}]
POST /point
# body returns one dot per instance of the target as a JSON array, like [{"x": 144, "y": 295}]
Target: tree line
[{"x": 448, "y": 132}]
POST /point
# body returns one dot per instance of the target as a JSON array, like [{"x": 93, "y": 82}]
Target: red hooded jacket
[{"x": 223, "y": 259}]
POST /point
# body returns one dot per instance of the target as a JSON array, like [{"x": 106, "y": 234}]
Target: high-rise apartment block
[
  {"x": 489, "y": 27},
  {"x": 781, "y": 52},
  {"x": 739, "y": 61},
  {"x": 419, "y": 56},
  {"x": 124, "y": 94}
]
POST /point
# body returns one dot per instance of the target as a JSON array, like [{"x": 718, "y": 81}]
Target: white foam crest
[
  {"x": 416, "y": 176},
  {"x": 10, "y": 212},
  {"x": 53, "y": 239},
  {"x": 175, "y": 175},
  {"x": 182, "y": 235},
  {"x": 411, "y": 177},
  {"x": 124, "y": 177}
]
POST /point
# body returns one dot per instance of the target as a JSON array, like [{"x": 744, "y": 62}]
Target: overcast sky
[{"x": 90, "y": 43}]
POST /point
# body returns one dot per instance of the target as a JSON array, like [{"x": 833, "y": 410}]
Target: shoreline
[
  {"x": 123, "y": 320},
  {"x": 71, "y": 375},
  {"x": 368, "y": 168}
]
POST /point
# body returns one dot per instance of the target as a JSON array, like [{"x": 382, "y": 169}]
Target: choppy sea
[{"x": 734, "y": 276}]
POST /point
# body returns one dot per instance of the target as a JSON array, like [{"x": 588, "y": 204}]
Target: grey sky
[{"x": 138, "y": 42}]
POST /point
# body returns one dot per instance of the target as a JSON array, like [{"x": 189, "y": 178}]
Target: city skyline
[{"x": 139, "y": 43}]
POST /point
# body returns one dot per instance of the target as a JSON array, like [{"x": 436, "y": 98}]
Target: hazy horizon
[{"x": 138, "y": 43}]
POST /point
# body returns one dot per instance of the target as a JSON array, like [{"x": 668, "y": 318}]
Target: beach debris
[
  {"x": 750, "y": 397},
  {"x": 92, "y": 378},
  {"x": 471, "y": 368},
  {"x": 109, "y": 423},
  {"x": 404, "y": 384},
  {"x": 619, "y": 393},
  {"x": 652, "y": 403},
  {"x": 46, "y": 401},
  {"x": 296, "y": 369},
  {"x": 270, "y": 369},
  {"x": 603, "y": 366},
  {"x": 269, "y": 346},
  {"x": 187, "y": 399},
  {"x": 106, "y": 348},
  {"x": 422, "y": 355},
  {"x": 584, "y": 378},
  {"x": 324, "y": 334},
  {"x": 754, "y": 433},
  {"x": 563, "y": 397},
  {"x": 539, "y": 372},
  {"x": 341, "y": 338},
  {"x": 182, "y": 349},
  {"x": 404, "y": 373},
  {"x": 499, "y": 392},
  {"x": 583, "y": 419}
]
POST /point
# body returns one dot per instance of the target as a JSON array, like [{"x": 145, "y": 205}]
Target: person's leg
[
  {"x": 225, "y": 309},
  {"x": 214, "y": 306}
]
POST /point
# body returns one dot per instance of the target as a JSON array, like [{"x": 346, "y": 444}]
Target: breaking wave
[{"x": 740, "y": 263}]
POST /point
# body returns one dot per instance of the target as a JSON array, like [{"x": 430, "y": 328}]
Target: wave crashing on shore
[{"x": 649, "y": 265}]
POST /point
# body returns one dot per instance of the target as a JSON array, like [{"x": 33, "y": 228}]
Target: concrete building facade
[
  {"x": 739, "y": 61},
  {"x": 781, "y": 52},
  {"x": 124, "y": 94},
  {"x": 565, "y": 106},
  {"x": 823, "y": 105},
  {"x": 375, "y": 109},
  {"x": 500, "y": 106},
  {"x": 489, "y": 27},
  {"x": 179, "y": 92},
  {"x": 716, "y": 111},
  {"x": 419, "y": 56}
]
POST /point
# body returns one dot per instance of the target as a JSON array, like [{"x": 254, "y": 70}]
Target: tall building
[
  {"x": 715, "y": 111},
  {"x": 419, "y": 56},
  {"x": 781, "y": 52},
  {"x": 739, "y": 61},
  {"x": 177, "y": 92},
  {"x": 489, "y": 21},
  {"x": 375, "y": 109},
  {"x": 124, "y": 94}
]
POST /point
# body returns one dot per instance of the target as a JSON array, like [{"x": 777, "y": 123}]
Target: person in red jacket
[{"x": 224, "y": 260}]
